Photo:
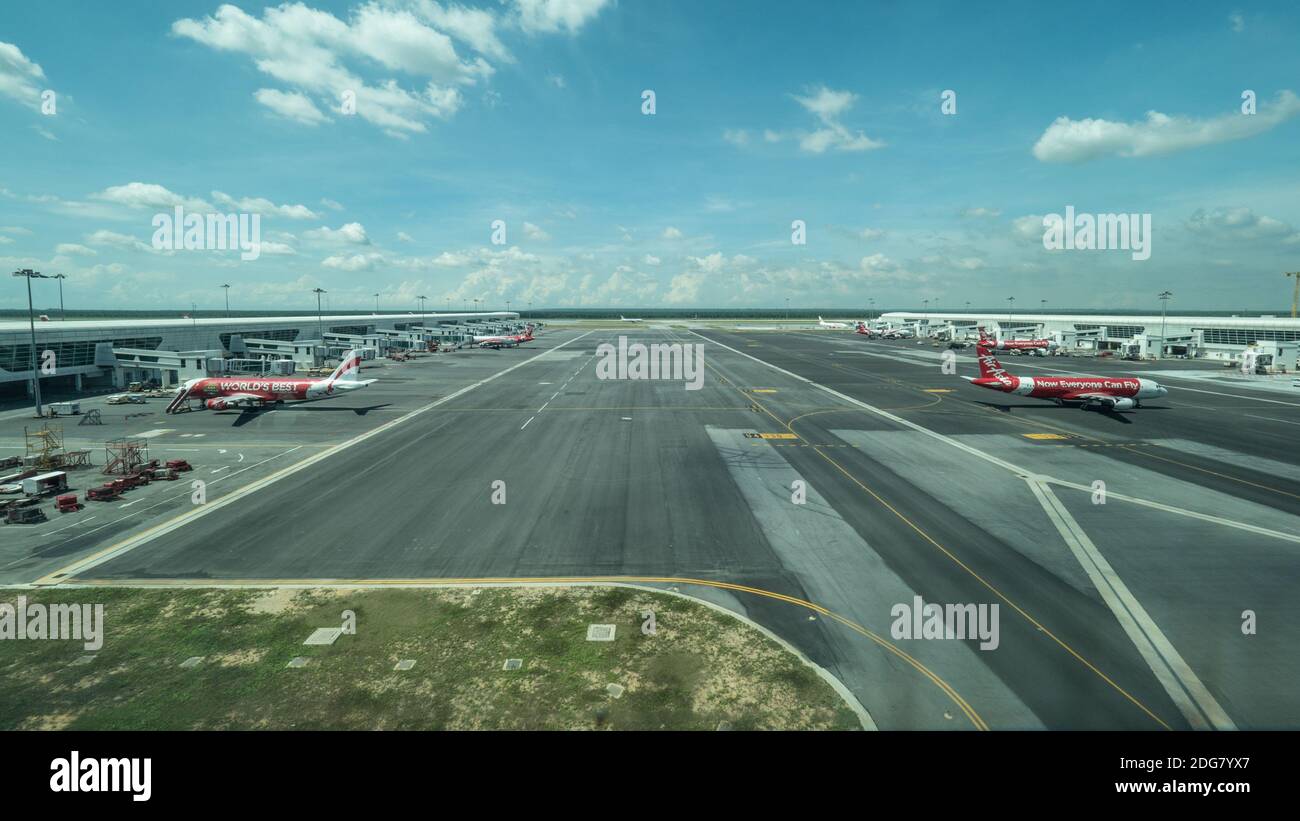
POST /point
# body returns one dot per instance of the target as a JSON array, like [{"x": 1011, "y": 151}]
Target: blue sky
[{"x": 530, "y": 112}]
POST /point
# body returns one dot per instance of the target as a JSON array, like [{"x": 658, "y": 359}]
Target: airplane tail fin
[
  {"x": 984, "y": 335},
  {"x": 990, "y": 368},
  {"x": 348, "y": 368}
]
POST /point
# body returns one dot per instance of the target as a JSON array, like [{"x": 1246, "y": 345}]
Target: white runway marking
[
  {"x": 1175, "y": 676},
  {"x": 524, "y": 425}
]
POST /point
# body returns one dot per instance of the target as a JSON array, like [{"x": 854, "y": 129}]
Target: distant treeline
[{"x": 615, "y": 313}]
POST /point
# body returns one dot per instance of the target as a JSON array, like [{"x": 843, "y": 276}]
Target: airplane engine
[
  {"x": 1125, "y": 404},
  {"x": 215, "y": 404}
]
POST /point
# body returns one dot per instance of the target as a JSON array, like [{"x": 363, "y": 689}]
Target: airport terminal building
[
  {"x": 1194, "y": 337},
  {"x": 87, "y": 354}
]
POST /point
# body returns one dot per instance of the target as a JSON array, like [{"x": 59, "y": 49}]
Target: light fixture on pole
[
  {"x": 60, "y": 277},
  {"x": 1164, "y": 304},
  {"x": 320, "y": 328},
  {"x": 226, "y": 288},
  {"x": 31, "y": 321}
]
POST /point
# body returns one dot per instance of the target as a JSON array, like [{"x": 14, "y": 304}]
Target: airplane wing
[
  {"x": 1098, "y": 398},
  {"x": 238, "y": 400}
]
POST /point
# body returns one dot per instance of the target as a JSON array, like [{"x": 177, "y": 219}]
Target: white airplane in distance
[
  {"x": 821, "y": 323},
  {"x": 628, "y": 319}
]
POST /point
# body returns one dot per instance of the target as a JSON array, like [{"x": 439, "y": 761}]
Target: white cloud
[
  {"x": 259, "y": 205},
  {"x": 736, "y": 136},
  {"x": 556, "y": 80},
  {"x": 535, "y": 16},
  {"x": 73, "y": 249},
  {"x": 828, "y": 105},
  {"x": 533, "y": 232},
  {"x": 148, "y": 195},
  {"x": 672, "y": 233},
  {"x": 355, "y": 262},
  {"x": 1240, "y": 225},
  {"x": 308, "y": 50},
  {"x": 981, "y": 213},
  {"x": 291, "y": 104},
  {"x": 1238, "y": 22},
  {"x": 871, "y": 233},
  {"x": 332, "y": 204},
  {"x": 20, "y": 78},
  {"x": 353, "y": 233},
  {"x": 404, "y": 237},
  {"x": 684, "y": 287},
  {"x": 474, "y": 27},
  {"x": 116, "y": 240},
  {"x": 1075, "y": 141},
  {"x": 652, "y": 260}
]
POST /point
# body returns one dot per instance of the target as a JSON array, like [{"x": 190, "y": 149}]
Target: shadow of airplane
[
  {"x": 249, "y": 414},
  {"x": 1111, "y": 414}
]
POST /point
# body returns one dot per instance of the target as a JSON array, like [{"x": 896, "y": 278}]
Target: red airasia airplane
[
  {"x": 511, "y": 341},
  {"x": 1109, "y": 393},
  {"x": 1016, "y": 344},
  {"x": 864, "y": 330},
  {"x": 222, "y": 393}
]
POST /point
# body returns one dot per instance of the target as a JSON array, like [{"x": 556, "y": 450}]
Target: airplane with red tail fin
[
  {"x": 1016, "y": 344},
  {"x": 227, "y": 392},
  {"x": 506, "y": 341},
  {"x": 1111, "y": 393}
]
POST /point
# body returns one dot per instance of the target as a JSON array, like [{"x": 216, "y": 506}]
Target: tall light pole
[
  {"x": 1011, "y": 304},
  {"x": 1295, "y": 294},
  {"x": 422, "y": 299},
  {"x": 787, "y": 309},
  {"x": 320, "y": 327},
  {"x": 873, "y": 308},
  {"x": 1164, "y": 303},
  {"x": 226, "y": 288},
  {"x": 63, "y": 316},
  {"x": 926, "y": 303},
  {"x": 31, "y": 321},
  {"x": 376, "y": 303}
]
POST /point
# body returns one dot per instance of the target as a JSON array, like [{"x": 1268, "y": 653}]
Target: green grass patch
[{"x": 698, "y": 670}]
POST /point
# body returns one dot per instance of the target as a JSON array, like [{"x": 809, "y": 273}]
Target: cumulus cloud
[
  {"x": 148, "y": 195},
  {"x": 20, "y": 78},
  {"x": 310, "y": 52},
  {"x": 672, "y": 233},
  {"x": 353, "y": 233},
  {"x": 547, "y": 16},
  {"x": 353, "y": 262},
  {"x": 1076, "y": 141},
  {"x": 259, "y": 205},
  {"x": 1240, "y": 225}
]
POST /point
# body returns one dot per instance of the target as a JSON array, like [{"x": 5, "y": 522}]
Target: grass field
[{"x": 700, "y": 669}]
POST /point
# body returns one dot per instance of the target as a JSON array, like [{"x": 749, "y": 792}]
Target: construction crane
[{"x": 1295, "y": 294}]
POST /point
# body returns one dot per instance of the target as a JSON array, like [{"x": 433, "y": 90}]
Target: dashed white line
[{"x": 524, "y": 425}]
